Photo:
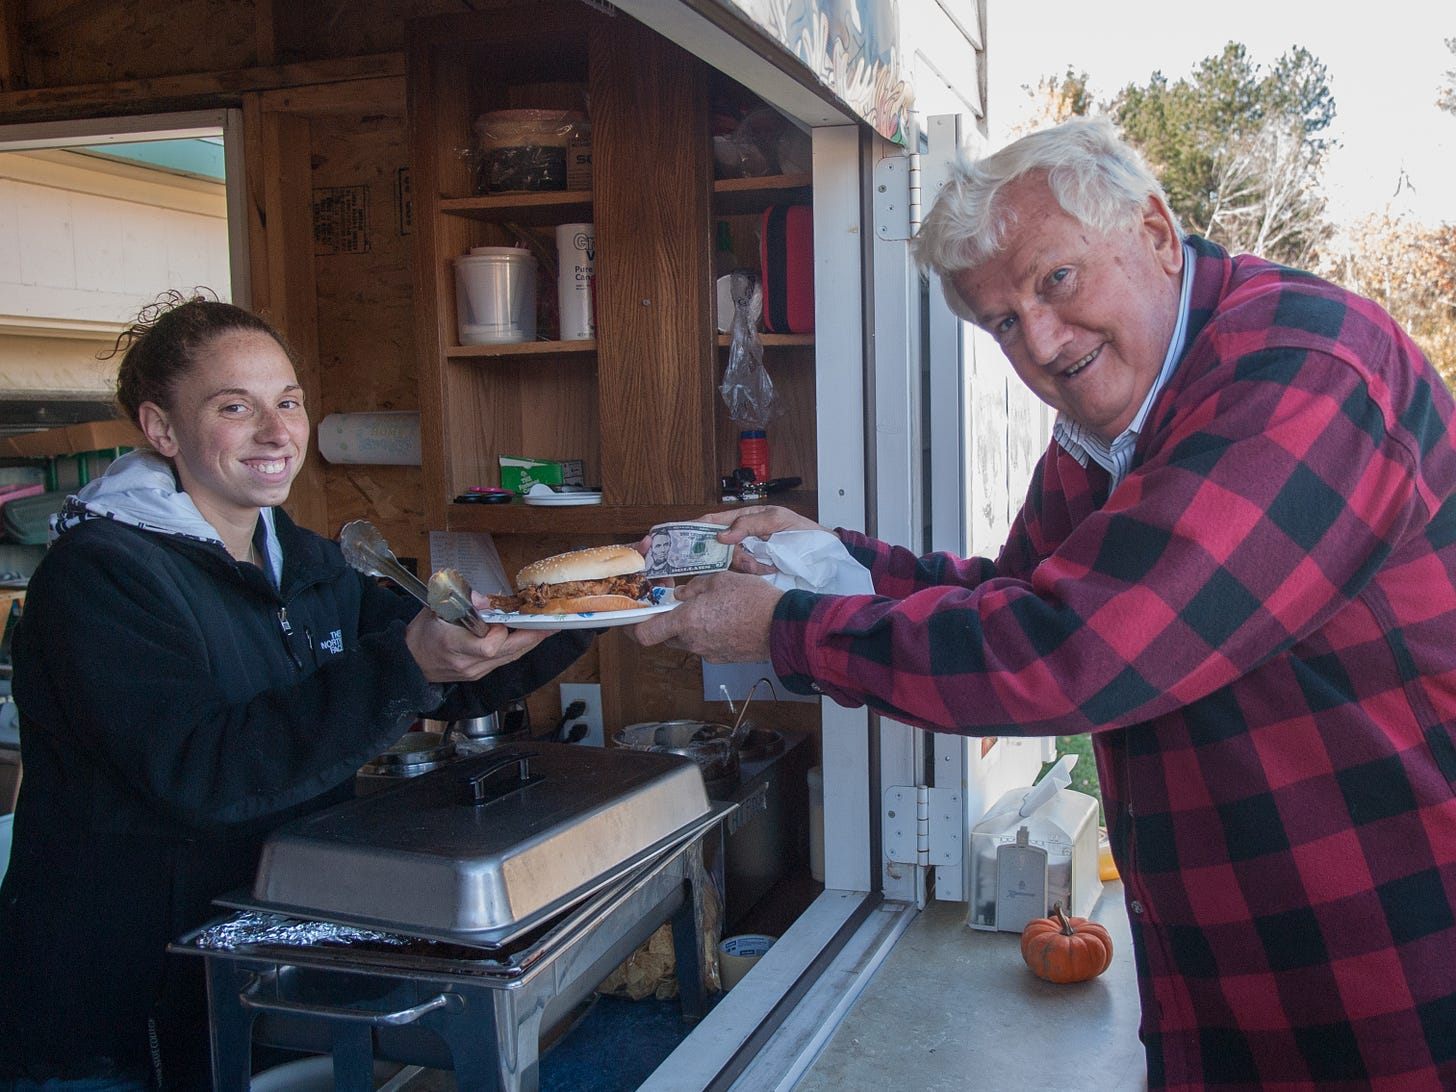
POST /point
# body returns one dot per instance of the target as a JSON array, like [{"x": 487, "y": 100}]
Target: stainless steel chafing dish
[
  {"x": 511, "y": 883},
  {"x": 485, "y": 848}
]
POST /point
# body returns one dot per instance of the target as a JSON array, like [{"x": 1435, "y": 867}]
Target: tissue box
[
  {"x": 519, "y": 473},
  {"x": 1065, "y": 826}
]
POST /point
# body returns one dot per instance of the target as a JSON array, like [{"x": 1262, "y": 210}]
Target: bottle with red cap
[{"x": 753, "y": 452}]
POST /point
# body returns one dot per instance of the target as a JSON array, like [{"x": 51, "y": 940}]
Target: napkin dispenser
[{"x": 1019, "y": 828}]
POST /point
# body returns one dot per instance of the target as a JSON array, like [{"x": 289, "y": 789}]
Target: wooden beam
[
  {"x": 384, "y": 95},
  {"x": 193, "y": 91}
]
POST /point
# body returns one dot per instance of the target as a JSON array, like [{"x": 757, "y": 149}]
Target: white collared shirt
[{"x": 1082, "y": 443}]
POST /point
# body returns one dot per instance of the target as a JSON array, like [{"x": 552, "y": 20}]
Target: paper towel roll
[{"x": 389, "y": 438}]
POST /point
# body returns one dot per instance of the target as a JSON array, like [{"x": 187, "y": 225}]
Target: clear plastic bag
[
  {"x": 764, "y": 142},
  {"x": 747, "y": 389}
]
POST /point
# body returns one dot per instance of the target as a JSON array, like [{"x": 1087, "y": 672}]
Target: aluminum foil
[{"x": 249, "y": 927}]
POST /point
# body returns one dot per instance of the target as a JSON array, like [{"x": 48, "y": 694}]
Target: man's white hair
[{"x": 1092, "y": 173}]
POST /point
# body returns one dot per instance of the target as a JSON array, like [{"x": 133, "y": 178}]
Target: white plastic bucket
[{"x": 495, "y": 295}]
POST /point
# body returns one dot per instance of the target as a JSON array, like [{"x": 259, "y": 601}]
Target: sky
[{"x": 1385, "y": 63}]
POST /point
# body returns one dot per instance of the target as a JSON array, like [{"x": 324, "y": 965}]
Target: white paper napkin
[{"x": 810, "y": 561}]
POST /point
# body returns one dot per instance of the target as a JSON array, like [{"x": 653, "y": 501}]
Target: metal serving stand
[{"x": 478, "y": 1011}]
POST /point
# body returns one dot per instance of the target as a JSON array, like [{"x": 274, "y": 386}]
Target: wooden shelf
[
  {"x": 545, "y": 207},
  {"x": 639, "y": 405},
  {"x": 653, "y": 191},
  {"x": 520, "y": 348},
  {"x": 735, "y": 195},
  {"x": 631, "y": 520},
  {"x": 771, "y": 340}
]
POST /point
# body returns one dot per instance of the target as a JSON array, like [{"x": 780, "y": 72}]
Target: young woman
[{"x": 192, "y": 670}]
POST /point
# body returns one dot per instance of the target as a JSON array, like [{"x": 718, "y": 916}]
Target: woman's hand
[{"x": 448, "y": 653}]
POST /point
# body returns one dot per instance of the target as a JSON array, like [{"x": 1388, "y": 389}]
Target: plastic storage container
[
  {"x": 495, "y": 295},
  {"x": 524, "y": 149}
]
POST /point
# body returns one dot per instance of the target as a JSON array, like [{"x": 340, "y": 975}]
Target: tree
[
  {"x": 1261, "y": 201},
  {"x": 1054, "y": 100},
  {"x": 1239, "y": 153},
  {"x": 1410, "y": 270}
]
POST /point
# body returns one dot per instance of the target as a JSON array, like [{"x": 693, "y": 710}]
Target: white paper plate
[
  {"x": 594, "y": 620},
  {"x": 562, "y": 500}
]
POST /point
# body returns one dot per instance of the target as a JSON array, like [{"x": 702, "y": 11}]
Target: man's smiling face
[{"x": 1084, "y": 317}]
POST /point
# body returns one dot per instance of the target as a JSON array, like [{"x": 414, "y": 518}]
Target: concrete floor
[{"x": 954, "y": 1008}]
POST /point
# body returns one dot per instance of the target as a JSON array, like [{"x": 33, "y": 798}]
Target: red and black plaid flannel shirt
[{"x": 1259, "y": 627}]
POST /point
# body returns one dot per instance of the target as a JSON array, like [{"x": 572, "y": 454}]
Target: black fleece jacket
[{"x": 174, "y": 709}]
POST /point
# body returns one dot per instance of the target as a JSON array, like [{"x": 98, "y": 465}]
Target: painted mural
[{"x": 852, "y": 46}]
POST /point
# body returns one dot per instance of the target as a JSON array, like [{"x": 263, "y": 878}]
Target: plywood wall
[
  {"x": 70, "y": 43},
  {"x": 63, "y": 42}
]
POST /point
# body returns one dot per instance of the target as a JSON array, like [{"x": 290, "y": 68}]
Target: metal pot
[
  {"x": 511, "y": 720},
  {"x": 759, "y": 744},
  {"x": 705, "y": 742}
]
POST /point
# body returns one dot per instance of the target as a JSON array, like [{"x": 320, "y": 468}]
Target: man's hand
[
  {"x": 758, "y": 521},
  {"x": 449, "y": 653},
  {"x": 722, "y": 617}
]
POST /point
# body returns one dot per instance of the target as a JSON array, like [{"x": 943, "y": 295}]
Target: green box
[{"x": 518, "y": 473}]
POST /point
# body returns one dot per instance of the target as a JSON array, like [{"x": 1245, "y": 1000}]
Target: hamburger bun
[
  {"x": 584, "y": 604},
  {"x": 586, "y": 581},
  {"x": 590, "y": 563}
]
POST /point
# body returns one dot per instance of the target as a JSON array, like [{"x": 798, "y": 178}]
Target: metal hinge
[
  {"x": 922, "y": 825},
  {"x": 897, "y": 197}
]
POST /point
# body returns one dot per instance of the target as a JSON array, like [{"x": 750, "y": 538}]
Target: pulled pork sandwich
[{"x": 597, "y": 578}]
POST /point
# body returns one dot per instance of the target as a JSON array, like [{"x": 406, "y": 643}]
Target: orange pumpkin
[{"x": 1063, "y": 949}]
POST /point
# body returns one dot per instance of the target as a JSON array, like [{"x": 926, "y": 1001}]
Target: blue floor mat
[{"x": 615, "y": 1047}]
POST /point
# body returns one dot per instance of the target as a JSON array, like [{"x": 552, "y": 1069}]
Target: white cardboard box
[{"x": 1065, "y": 826}]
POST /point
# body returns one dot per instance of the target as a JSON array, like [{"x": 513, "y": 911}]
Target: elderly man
[{"x": 1236, "y": 568}]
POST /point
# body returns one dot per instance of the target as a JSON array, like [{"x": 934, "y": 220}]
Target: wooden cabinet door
[{"x": 652, "y": 185}]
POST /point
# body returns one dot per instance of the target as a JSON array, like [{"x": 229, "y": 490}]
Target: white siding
[{"x": 84, "y": 244}]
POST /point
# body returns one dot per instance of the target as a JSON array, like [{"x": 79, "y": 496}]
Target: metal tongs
[{"x": 447, "y": 594}]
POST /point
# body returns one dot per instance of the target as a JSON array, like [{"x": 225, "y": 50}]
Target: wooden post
[
  {"x": 291, "y": 302},
  {"x": 12, "y": 57}
]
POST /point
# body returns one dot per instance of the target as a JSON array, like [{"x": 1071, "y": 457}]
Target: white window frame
[{"x": 227, "y": 124}]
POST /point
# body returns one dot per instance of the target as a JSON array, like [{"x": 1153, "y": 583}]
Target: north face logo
[{"x": 335, "y": 643}]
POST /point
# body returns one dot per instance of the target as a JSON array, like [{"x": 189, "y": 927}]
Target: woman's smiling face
[
  {"x": 236, "y": 430},
  {"x": 1084, "y": 317}
]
